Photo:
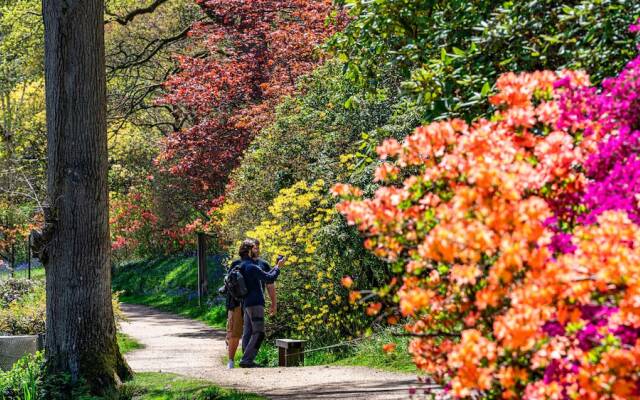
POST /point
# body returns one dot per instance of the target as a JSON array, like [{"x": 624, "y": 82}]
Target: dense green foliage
[
  {"x": 410, "y": 61},
  {"x": 451, "y": 52},
  {"x": 23, "y": 381},
  {"x": 310, "y": 133},
  {"x": 280, "y": 196}
]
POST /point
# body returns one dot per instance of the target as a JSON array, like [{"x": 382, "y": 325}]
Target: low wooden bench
[{"x": 290, "y": 352}]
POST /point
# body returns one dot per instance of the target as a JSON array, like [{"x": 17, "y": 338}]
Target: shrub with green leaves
[
  {"x": 312, "y": 304},
  {"x": 22, "y": 307},
  {"x": 328, "y": 133},
  {"x": 310, "y": 134},
  {"x": 450, "y": 52},
  {"x": 24, "y": 379}
]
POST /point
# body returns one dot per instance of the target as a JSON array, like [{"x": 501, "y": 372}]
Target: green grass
[
  {"x": 126, "y": 343},
  {"x": 160, "y": 386},
  {"x": 369, "y": 353},
  {"x": 175, "y": 275},
  {"x": 37, "y": 273},
  {"x": 169, "y": 284},
  {"x": 366, "y": 353}
]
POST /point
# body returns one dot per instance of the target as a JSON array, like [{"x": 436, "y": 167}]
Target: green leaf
[
  {"x": 486, "y": 88},
  {"x": 348, "y": 103}
]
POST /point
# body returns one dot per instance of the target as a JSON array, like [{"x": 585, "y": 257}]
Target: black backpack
[{"x": 234, "y": 283}]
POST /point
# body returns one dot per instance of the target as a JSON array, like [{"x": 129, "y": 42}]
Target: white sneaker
[{"x": 230, "y": 364}]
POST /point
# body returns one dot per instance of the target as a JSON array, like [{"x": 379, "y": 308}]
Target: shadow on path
[{"x": 190, "y": 348}]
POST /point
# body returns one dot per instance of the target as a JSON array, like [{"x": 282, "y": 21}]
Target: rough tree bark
[{"x": 81, "y": 332}]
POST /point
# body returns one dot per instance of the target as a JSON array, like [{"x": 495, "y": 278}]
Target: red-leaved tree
[{"x": 253, "y": 52}]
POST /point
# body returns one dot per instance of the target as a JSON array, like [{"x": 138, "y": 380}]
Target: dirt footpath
[{"x": 186, "y": 347}]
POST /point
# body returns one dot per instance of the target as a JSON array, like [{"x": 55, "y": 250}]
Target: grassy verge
[
  {"x": 157, "y": 386},
  {"x": 126, "y": 343},
  {"x": 37, "y": 273},
  {"x": 169, "y": 284},
  {"x": 367, "y": 353}
]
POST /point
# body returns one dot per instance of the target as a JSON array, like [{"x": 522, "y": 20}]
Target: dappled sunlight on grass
[{"x": 157, "y": 386}]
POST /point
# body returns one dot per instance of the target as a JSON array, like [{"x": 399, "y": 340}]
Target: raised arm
[
  {"x": 268, "y": 277},
  {"x": 271, "y": 289}
]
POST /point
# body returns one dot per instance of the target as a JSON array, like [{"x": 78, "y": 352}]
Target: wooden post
[
  {"x": 202, "y": 266},
  {"x": 29, "y": 257},
  {"x": 12, "y": 267},
  {"x": 290, "y": 352}
]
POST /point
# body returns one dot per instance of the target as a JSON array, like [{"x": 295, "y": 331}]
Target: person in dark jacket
[
  {"x": 270, "y": 288},
  {"x": 253, "y": 302}
]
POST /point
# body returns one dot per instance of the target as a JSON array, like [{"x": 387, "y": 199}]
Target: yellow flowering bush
[{"x": 311, "y": 302}]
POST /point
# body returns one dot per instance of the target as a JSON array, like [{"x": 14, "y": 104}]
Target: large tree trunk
[{"x": 81, "y": 333}]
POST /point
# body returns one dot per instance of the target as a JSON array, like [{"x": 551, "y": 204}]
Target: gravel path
[{"x": 190, "y": 348}]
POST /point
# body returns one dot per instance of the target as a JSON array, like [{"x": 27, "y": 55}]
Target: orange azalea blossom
[
  {"x": 374, "y": 309},
  {"x": 470, "y": 228},
  {"x": 392, "y": 320},
  {"x": 354, "y": 296},
  {"x": 467, "y": 357},
  {"x": 389, "y": 348},
  {"x": 386, "y": 172},
  {"x": 340, "y": 189},
  {"x": 389, "y": 148},
  {"x": 347, "y": 281}
]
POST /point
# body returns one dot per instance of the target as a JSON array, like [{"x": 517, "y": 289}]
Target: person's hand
[
  {"x": 273, "y": 309},
  {"x": 280, "y": 262}
]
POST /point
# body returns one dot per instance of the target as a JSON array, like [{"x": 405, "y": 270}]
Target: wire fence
[{"x": 22, "y": 273}]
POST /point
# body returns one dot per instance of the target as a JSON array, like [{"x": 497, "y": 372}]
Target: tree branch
[
  {"x": 139, "y": 11},
  {"x": 140, "y": 59}
]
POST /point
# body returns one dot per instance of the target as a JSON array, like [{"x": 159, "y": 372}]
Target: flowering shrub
[
  {"x": 136, "y": 231},
  {"x": 510, "y": 296},
  {"x": 311, "y": 301},
  {"x": 612, "y": 113}
]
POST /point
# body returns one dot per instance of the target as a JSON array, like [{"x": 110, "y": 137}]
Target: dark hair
[
  {"x": 256, "y": 241},
  {"x": 245, "y": 248}
]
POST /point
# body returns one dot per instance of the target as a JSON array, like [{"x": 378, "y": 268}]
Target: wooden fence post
[
  {"x": 12, "y": 265},
  {"x": 29, "y": 257},
  {"x": 202, "y": 267}
]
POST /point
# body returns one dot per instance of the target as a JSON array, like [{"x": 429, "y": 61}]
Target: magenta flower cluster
[{"x": 612, "y": 113}]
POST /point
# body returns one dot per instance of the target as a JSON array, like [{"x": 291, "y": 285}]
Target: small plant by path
[{"x": 126, "y": 343}]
